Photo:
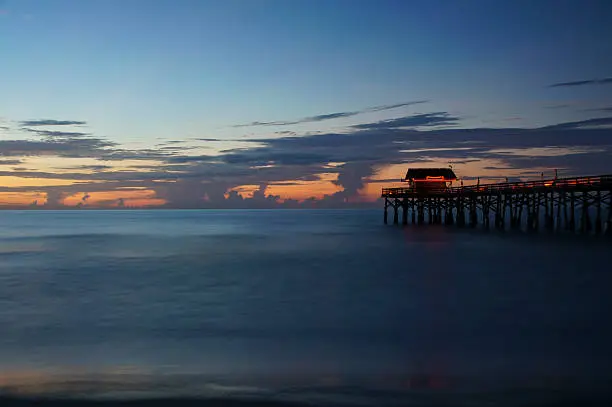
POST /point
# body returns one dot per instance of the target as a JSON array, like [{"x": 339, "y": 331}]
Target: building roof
[{"x": 423, "y": 173}]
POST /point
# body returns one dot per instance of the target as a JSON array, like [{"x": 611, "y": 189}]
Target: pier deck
[{"x": 580, "y": 204}]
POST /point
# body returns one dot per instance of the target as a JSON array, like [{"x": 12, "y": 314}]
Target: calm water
[{"x": 295, "y": 305}]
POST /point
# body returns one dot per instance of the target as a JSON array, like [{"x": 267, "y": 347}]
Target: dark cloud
[
  {"x": 89, "y": 147},
  {"x": 175, "y": 142},
  {"x": 89, "y": 168},
  {"x": 561, "y": 106},
  {"x": 464, "y": 161},
  {"x": 279, "y": 158},
  {"x": 579, "y": 163},
  {"x": 10, "y": 162},
  {"x": 395, "y": 106},
  {"x": 59, "y": 134},
  {"x": 182, "y": 159},
  {"x": 278, "y": 123},
  {"x": 363, "y": 150},
  {"x": 584, "y": 82},
  {"x": 54, "y": 198},
  {"x": 48, "y": 122},
  {"x": 351, "y": 178},
  {"x": 418, "y": 120},
  {"x": 600, "y": 109},
  {"x": 203, "y": 181},
  {"x": 259, "y": 200},
  {"x": 177, "y": 150},
  {"x": 117, "y": 154},
  {"x": 330, "y": 116},
  {"x": 601, "y": 121}
]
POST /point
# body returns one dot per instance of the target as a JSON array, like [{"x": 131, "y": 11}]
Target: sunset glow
[
  {"x": 208, "y": 115},
  {"x": 113, "y": 199}
]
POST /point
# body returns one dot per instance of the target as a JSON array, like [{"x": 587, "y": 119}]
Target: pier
[{"x": 578, "y": 205}]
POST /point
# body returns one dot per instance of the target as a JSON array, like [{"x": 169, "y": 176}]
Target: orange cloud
[
  {"x": 246, "y": 191},
  {"x": 294, "y": 189},
  {"x": 301, "y": 190},
  {"x": 488, "y": 169},
  {"x": 138, "y": 198},
  {"x": 22, "y": 198},
  {"x": 16, "y": 182}
]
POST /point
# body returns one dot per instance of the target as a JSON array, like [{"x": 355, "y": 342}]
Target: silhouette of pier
[{"x": 580, "y": 204}]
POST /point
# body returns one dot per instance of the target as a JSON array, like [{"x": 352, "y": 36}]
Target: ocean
[{"x": 326, "y": 307}]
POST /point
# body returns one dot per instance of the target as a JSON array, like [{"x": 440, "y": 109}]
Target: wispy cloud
[
  {"x": 597, "y": 122},
  {"x": 357, "y": 153},
  {"x": 89, "y": 147},
  {"x": 183, "y": 159},
  {"x": 55, "y": 133},
  {"x": 599, "y": 109},
  {"x": 50, "y": 122},
  {"x": 10, "y": 162},
  {"x": 604, "y": 81},
  {"x": 89, "y": 168},
  {"x": 330, "y": 116},
  {"x": 560, "y": 106},
  {"x": 417, "y": 120}
]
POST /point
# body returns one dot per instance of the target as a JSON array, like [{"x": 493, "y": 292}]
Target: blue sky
[{"x": 137, "y": 71}]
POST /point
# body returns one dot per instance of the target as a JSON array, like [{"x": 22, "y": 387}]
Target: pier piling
[{"x": 582, "y": 204}]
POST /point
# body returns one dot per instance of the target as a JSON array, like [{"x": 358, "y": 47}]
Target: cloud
[
  {"x": 327, "y": 116},
  {"x": 89, "y": 168},
  {"x": 49, "y": 122},
  {"x": 54, "y": 198},
  {"x": 52, "y": 133},
  {"x": 601, "y": 121},
  {"x": 89, "y": 147},
  {"x": 203, "y": 181},
  {"x": 330, "y": 116},
  {"x": 604, "y": 81},
  {"x": 172, "y": 142},
  {"x": 418, "y": 120},
  {"x": 117, "y": 154},
  {"x": 10, "y": 162},
  {"x": 395, "y": 106},
  {"x": 259, "y": 200},
  {"x": 277, "y": 158},
  {"x": 560, "y": 106},
  {"x": 351, "y": 178},
  {"x": 365, "y": 149},
  {"x": 191, "y": 159},
  {"x": 600, "y": 109}
]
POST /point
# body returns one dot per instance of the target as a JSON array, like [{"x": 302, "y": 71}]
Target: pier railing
[{"x": 559, "y": 183}]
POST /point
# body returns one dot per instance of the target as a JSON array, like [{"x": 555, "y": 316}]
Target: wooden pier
[{"x": 581, "y": 204}]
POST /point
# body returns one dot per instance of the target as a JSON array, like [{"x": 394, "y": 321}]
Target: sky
[{"x": 293, "y": 103}]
